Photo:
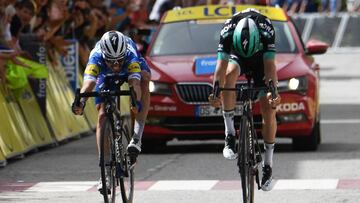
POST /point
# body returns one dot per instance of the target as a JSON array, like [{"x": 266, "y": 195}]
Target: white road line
[
  {"x": 62, "y": 186},
  {"x": 183, "y": 185},
  {"x": 321, "y": 184},
  {"x": 340, "y": 121},
  {"x": 192, "y": 185}
]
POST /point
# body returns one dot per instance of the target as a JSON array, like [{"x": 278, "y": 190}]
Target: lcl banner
[{"x": 70, "y": 63}]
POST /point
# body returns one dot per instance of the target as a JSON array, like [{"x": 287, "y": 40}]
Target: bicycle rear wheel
[
  {"x": 127, "y": 179},
  {"x": 244, "y": 161},
  {"x": 107, "y": 162}
]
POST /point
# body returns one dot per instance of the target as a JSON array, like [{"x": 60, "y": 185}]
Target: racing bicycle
[
  {"x": 249, "y": 152},
  {"x": 118, "y": 168}
]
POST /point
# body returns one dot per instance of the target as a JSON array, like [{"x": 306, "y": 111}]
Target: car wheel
[{"x": 309, "y": 143}]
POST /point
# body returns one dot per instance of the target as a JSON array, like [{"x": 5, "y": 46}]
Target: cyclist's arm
[
  {"x": 221, "y": 66},
  {"x": 90, "y": 76},
  {"x": 270, "y": 71},
  {"x": 135, "y": 83},
  {"x": 224, "y": 50},
  {"x": 87, "y": 86},
  {"x": 268, "y": 34},
  {"x": 135, "y": 78}
]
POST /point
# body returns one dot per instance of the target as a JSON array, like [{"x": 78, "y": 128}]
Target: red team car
[{"x": 182, "y": 57}]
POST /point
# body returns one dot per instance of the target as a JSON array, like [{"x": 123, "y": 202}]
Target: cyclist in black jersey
[{"x": 247, "y": 46}]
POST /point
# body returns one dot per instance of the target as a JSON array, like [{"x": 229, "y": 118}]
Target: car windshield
[{"x": 196, "y": 37}]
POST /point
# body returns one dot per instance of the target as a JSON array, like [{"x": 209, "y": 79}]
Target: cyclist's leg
[
  {"x": 101, "y": 117},
  {"x": 140, "y": 118},
  {"x": 269, "y": 120},
  {"x": 268, "y": 131},
  {"x": 229, "y": 99}
]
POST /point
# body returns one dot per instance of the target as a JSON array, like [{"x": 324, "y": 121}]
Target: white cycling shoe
[{"x": 229, "y": 151}]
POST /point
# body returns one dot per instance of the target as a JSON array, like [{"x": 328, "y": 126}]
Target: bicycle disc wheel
[
  {"x": 107, "y": 166},
  {"x": 244, "y": 161},
  {"x": 127, "y": 179}
]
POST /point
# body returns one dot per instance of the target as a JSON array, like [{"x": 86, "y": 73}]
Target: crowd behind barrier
[{"x": 37, "y": 43}]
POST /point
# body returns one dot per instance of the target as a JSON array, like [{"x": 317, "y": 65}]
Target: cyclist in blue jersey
[{"x": 117, "y": 53}]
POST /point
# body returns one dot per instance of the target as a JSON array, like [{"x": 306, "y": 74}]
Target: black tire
[
  {"x": 127, "y": 180},
  {"x": 107, "y": 146},
  {"x": 309, "y": 143},
  {"x": 244, "y": 155}
]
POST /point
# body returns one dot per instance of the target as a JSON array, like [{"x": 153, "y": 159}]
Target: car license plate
[{"x": 208, "y": 111}]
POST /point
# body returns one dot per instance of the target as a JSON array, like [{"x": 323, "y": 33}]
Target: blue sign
[
  {"x": 70, "y": 62},
  {"x": 205, "y": 65}
]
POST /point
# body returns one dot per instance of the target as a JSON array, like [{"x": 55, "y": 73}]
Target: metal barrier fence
[{"x": 340, "y": 31}]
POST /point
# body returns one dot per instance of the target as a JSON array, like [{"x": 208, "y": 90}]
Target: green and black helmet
[{"x": 246, "y": 38}]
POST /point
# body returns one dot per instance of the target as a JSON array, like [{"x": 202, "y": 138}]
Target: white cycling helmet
[{"x": 113, "y": 45}]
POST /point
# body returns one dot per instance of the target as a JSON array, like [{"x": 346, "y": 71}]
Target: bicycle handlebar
[
  {"x": 270, "y": 88},
  {"x": 130, "y": 93}
]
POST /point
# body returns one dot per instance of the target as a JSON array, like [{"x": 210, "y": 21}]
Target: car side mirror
[{"x": 316, "y": 47}]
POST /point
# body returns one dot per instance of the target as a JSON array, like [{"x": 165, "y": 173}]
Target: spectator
[
  {"x": 85, "y": 25},
  {"x": 332, "y": 6},
  {"x": 40, "y": 12},
  {"x": 6, "y": 53},
  {"x": 141, "y": 45},
  {"x": 139, "y": 15},
  {"x": 159, "y": 9},
  {"x": 353, "y": 5},
  {"x": 295, "y": 6},
  {"x": 20, "y": 22},
  {"x": 49, "y": 31},
  {"x": 120, "y": 12}
]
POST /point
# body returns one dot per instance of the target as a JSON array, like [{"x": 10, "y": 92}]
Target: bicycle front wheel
[
  {"x": 107, "y": 162},
  {"x": 127, "y": 179},
  {"x": 244, "y": 161}
]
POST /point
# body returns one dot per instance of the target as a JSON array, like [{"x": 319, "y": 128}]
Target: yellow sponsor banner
[
  {"x": 59, "y": 99},
  {"x": 34, "y": 118},
  {"x": 15, "y": 137},
  {"x": 220, "y": 12}
]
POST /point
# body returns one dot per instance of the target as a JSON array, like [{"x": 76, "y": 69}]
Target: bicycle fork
[{"x": 257, "y": 154}]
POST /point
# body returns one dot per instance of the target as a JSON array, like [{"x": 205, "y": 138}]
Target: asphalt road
[{"x": 197, "y": 172}]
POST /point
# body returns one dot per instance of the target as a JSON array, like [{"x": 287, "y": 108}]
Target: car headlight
[
  {"x": 294, "y": 84},
  {"x": 159, "y": 88}
]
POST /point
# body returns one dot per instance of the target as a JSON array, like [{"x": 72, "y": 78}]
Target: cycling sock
[
  {"x": 229, "y": 122},
  {"x": 138, "y": 129},
  {"x": 269, "y": 151}
]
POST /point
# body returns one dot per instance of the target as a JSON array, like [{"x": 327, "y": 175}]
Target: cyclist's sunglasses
[{"x": 114, "y": 62}]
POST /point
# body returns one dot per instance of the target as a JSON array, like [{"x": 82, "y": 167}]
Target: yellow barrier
[
  {"x": 58, "y": 107},
  {"x": 15, "y": 135},
  {"x": 35, "y": 120},
  {"x": 2, "y": 159}
]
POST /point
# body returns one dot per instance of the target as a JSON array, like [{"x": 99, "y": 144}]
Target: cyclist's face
[{"x": 115, "y": 65}]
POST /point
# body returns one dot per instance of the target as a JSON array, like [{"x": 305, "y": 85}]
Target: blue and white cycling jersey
[{"x": 133, "y": 64}]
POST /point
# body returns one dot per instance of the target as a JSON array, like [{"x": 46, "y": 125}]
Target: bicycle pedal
[
  {"x": 119, "y": 172},
  {"x": 133, "y": 158},
  {"x": 108, "y": 191}
]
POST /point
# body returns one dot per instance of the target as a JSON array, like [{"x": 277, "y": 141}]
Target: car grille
[
  {"x": 197, "y": 93},
  {"x": 194, "y": 93}
]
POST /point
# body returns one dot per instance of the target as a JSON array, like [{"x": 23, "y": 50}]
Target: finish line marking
[{"x": 183, "y": 185}]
